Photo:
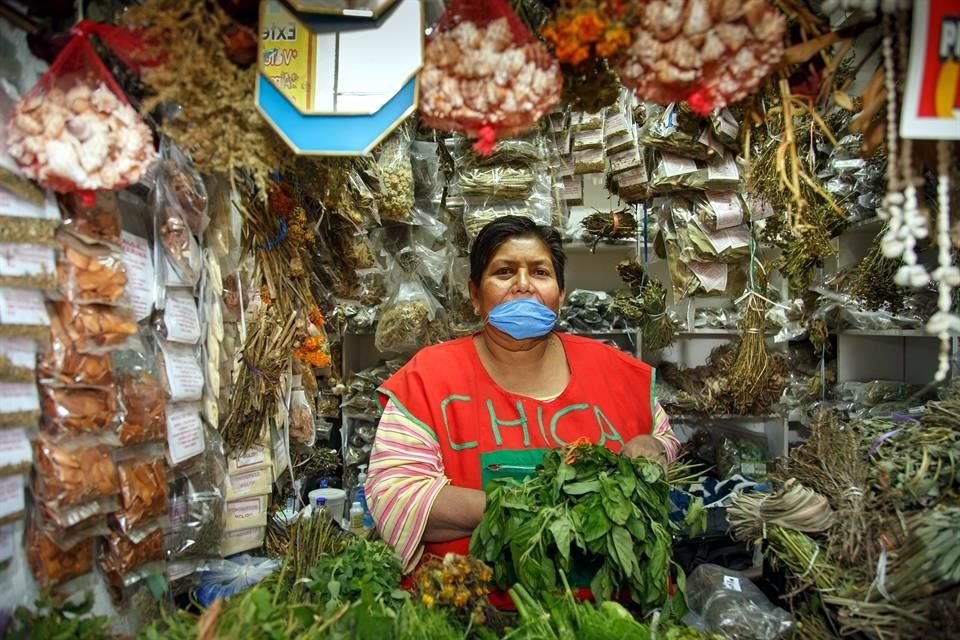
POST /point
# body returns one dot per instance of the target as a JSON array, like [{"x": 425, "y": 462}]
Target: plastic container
[
  {"x": 361, "y": 495},
  {"x": 336, "y": 500}
]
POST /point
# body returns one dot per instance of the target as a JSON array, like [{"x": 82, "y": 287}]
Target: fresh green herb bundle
[
  {"x": 67, "y": 621},
  {"x": 586, "y": 509}
]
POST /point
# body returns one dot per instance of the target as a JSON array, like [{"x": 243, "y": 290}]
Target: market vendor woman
[{"x": 488, "y": 406}]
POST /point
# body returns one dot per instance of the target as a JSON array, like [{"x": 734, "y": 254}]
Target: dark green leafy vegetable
[
  {"x": 65, "y": 622},
  {"x": 585, "y": 508}
]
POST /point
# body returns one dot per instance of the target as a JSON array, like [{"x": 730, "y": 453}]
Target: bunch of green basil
[{"x": 602, "y": 514}]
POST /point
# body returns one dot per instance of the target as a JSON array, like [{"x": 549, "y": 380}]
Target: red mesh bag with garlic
[
  {"x": 485, "y": 74},
  {"x": 75, "y": 130},
  {"x": 708, "y": 53}
]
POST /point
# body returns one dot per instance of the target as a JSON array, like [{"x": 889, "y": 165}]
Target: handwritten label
[
  {"x": 14, "y": 448},
  {"x": 712, "y": 275},
  {"x": 140, "y": 276},
  {"x": 181, "y": 318},
  {"x": 732, "y": 583},
  {"x": 615, "y": 124},
  {"x": 18, "y": 396},
  {"x": 249, "y": 483},
  {"x": 242, "y": 539},
  {"x": 11, "y": 495},
  {"x": 184, "y": 375},
  {"x": 184, "y": 432},
  {"x": 728, "y": 209},
  {"x": 21, "y": 260},
  {"x": 632, "y": 177},
  {"x": 726, "y": 239},
  {"x": 23, "y": 306},
  {"x": 252, "y": 458},
  {"x": 726, "y": 170},
  {"x": 727, "y": 124},
  {"x": 246, "y": 513},
  {"x": 20, "y": 352},
  {"x": 674, "y": 165},
  {"x": 572, "y": 188},
  {"x": 625, "y": 160}
]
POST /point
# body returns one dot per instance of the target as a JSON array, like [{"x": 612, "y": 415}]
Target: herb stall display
[{"x": 585, "y": 508}]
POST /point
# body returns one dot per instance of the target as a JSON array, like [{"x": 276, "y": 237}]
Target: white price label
[
  {"x": 727, "y": 206},
  {"x": 625, "y": 160},
  {"x": 140, "y": 275},
  {"x": 181, "y": 318},
  {"x": 572, "y": 188},
  {"x": 726, "y": 170},
  {"x": 23, "y": 306},
  {"x": 184, "y": 375},
  {"x": 726, "y": 239},
  {"x": 732, "y": 583},
  {"x": 245, "y": 510},
  {"x": 11, "y": 495},
  {"x": 18, "y": 396},
  {"x": 14, "y": 448},
  {"x": 712, "y": 276},
  {"x": 615, "y": 124},
  {"x": 674, "y": 165},
  {"x": 24, "y": 260},
  {"x": 728, "y": 124},
  {"x": 20, "y": 352},
  {"x": 184, "y": 432}
]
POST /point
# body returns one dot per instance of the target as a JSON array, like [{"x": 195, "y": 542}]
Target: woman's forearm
[{"x": 455, "y": 514}]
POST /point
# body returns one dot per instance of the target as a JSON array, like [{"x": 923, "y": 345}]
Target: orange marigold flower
[
  {"x": 613, "y": 41},
  {"x": 572, "y": 52},
  {"x": 316, "y": 317},
  {"x": 589, "y": 26}
]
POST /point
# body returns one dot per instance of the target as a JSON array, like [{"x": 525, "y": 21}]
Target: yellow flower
[{"x": 428, "y": 600}]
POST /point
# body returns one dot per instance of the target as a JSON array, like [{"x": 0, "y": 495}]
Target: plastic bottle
[
  {"x": 361, "y": 494},
  {"x": 356, "y": 519},
  {"x": 320, "y": 505}
]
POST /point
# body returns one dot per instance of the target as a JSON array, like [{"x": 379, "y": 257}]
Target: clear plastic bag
[
  {"x": 173, "y": 234},
  {"x": 183, "y": 187},
  {"x": 70, "y": 412},
  {"x": 463, "y": 319},
  {"x": 73, "y": 475},
  {"x": 74, "y": 130},
  {"x": 96, "y": 221},
  {"x": 302, "y": 429},
  {"x": 476, "y": 217},
  {"x": 497, "y": 183},
  {"x": 62, "y": 364},
  {"x": 230, "y": 577},
  {"x": 724, "y": 601},
  {"x": 90, "y": 274},
  {"x": 96, "y": 328},
  {"x": 671, "y": 173},
  {"x": 676, "y": 129},
  {"x": 428, "y": 181},
  {"x": 197, "y": 505},
  {"x": 51, "y": 565},
  {"x": 396, "y": 196},
  {"x": 122, "y": 552},
  {"x": 143, "y": 489},
  {"x": 410, "y": 319},
  {"x": 142, "y": 399}
]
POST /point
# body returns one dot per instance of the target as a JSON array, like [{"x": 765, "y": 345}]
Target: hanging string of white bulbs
[{"x": 906, "y": 223}]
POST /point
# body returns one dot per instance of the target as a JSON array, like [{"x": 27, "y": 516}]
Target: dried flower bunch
[
  {"x": 581, "y": 30},
  {"x": 458, "y": 583},
  {"x": 80, "y": 137},
  {"x": 485, "y": 74},
  {"x": 710, "y": 53},
  {"x": 197, "y": 74},
  {"x": 312, "y": 346}
]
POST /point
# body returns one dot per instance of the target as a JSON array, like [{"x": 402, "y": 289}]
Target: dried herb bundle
[
  {"x": 873, "y": 280},
  {"x": 219, "y": 125},
  {"x": 645, "y": 306},
  {"x": 753, "y": 365},
  {"x": 610, "y": 225}
]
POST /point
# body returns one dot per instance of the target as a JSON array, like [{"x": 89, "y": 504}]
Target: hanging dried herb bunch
[
  {"x": 591, "y": 86},
  {"x": 610, "y": 225},
  {"x": 219, "y": 125},
  {"x": 646, "y": 306},
  {"x": 873, "y": 280},
  {"x": 756, "y": 378}
]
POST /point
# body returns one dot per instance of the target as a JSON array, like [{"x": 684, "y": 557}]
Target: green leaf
[
  {"x": 333, "y": 588},
  {"x": 618, "y": 508},
  {"x": 602, "y": 584},
  {"x": 595, "y": 525},
  {"x": 623, "y": 545},
  {"x": 627, "y": 478},
  {"x": 580, "y": 488},
  {"x": 565, "y": 473},
  {"x": 562, "y": 532},
  {"x": 637, "y": 528}
]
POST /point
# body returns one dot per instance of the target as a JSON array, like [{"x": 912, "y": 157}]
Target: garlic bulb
[{"x": 944, "y": 324}]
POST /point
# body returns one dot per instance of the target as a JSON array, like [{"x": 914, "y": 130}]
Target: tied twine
[
  {"x": 260, "y": 374},
  {"x": 274, "y": 242}
]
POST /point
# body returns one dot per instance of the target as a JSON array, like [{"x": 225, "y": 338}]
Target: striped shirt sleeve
[
  {"x": 404, "y": 478},
  {"x": 663, "y": 432}
]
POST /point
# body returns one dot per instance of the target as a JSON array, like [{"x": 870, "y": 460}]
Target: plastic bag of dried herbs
[
  {"x": 428, "y": 180},
  {"x": 670, "y": 172},
  {"x": 524, "y": 151},
  {"x": 463, "y": 319},
  {"x": 676, "y": 129},
  {"x": 396, "y": 196},
  {"x": 411, "y": 317},
  {"x": 197, "y": 505},
  {"x": 719, "y": 209}
]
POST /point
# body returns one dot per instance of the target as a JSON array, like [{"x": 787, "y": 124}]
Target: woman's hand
[{"x": 646, "y": 446}]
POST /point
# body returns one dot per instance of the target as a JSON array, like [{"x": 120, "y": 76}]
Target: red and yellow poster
[{"x": 931, "y": 102}]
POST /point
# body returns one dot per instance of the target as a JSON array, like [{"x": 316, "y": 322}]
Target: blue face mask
[{"x": 523, "y": 318}]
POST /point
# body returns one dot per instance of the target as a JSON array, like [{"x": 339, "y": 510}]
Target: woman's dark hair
[{"x": 496, "y": 233}]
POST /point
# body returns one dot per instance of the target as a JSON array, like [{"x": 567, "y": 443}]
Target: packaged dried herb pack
[
  {"x": 142, "y": 399},
  {"x": 395, "y": 198},
  {"x": 69, "y": 475},
  {"x": 96, "y": 328},
  {"x": 70, "y": 412},
  {"x": 90, "y": 273},
  {"x": 51, "y": 565},
  {"x": 62, "y": 365},
  {"x": 143, "y": 487}
]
